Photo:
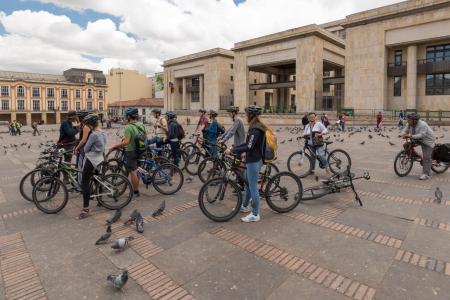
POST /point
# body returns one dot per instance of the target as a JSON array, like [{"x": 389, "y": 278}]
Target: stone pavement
[{"x": 397, "y": 246}]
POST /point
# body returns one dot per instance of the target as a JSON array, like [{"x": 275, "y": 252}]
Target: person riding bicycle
[
  {"x": 418, "y": 130},
  {"x": 133, "y": 128},
  {"x": 236, "y": 130},
  {"x": 173, "y": 136},
  {"x": 314, "y": 132},
  {"x": 202, "y": 122},
  {"x": 93, "y": 157},
  {"x": 253, "y": 148},
  {"x": 160, "y": 128}
]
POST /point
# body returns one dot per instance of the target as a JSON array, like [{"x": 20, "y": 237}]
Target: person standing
[
  {"x": 325, "y": 120},
  {"x": 379, "y": 118},
  {"x": 34, "y": 126},
  {"x": 236, "y": 130},
  {"x": 173, "y": 136},
  {"x": 160, "y": 128},
  {"x": 314, "y": 132},
  {"x": 212, "y": 131},
  {"x": 93, "y": 150},
  {"x": 253, "y": 149},
  {"x": 401, "y": 119},
  {"x": 133, "y": 128},
  {"x": 67, "y": 135},
  {"x": 419, "y": 131},
  {"x": 202, "y": 121},
  {"x": 18, "y": 125},
  {"x": 85, "y": 131}
]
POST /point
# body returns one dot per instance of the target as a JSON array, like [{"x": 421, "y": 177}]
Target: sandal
[{"x": 84, "y": 214}]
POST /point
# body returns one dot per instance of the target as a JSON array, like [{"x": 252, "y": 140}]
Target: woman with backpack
[
  {"x": 253, "y": 148},
  {"x": 174, "y": 135},
  {"x": 213, "y": 131}
]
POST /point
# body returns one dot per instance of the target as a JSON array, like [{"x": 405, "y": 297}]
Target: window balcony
[
  {"x": 430, "y": 66},
  {"x": 396, "y": 70}
]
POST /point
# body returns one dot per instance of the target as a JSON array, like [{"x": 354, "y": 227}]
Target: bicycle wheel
[
  {"x": 220, "y": 199},
  {"x": 167, "y": 179},
  {"x": 439, "y": 167},
  {"x": 114, "y": 166},
  {"x": 402, "y": 164},
  {"x": 210, "y": 168},
  {"x": 113, "y": 191},
  {"x": 267, "y": 171},
  {"x": 339, "y": 161},
  {"x": 314, "y": 192},
  {"x": 29, "y": 181},
  {"x": 284, "y": 192},
  {"x": 299, "y": 163},
  {"x": 114, "y": 154},
  {"x": 192, "y": 163},
  {"x": 50, "y": 195}
]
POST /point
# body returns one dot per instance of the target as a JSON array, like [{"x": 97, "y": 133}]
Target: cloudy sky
[{"x": 50, "y": 36}]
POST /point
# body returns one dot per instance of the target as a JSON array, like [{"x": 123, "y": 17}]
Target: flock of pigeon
[{"x": 121, "y": 244}]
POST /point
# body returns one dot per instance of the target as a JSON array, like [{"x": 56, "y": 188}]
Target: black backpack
[
  {"x": 140, "y": 140},
  {"x": 441, "y": 152},
  {"x": 180, "y": 132}
]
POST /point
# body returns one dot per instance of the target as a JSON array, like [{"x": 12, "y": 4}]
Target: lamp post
[{"x": 120, "y": 73}]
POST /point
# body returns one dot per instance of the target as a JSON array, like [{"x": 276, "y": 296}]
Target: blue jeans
[
  {"x": 251, "y": 188},
  {"x": 319, "y": 153},
  {"x": 159, "y": 141}
]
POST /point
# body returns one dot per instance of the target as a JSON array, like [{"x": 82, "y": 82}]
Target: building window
[
  {"x": 195, "y": 81},
  {"x": 254, "y": 93},
  {"x": 89, "y": 80},
  {"x": 231, "y": 91},
  {"x": 78, "y": 94},
  {"x": 21, "y": 104},
  {"x": 231, "y": 78},
  {"x": 231, "y": 66},
  {"x": 5, "y": 104},
  {"x": 100, "y": 94},
  {"x": 437, "y": 84},
  {"x": 397, "y": 86},
  {"x": 50, "y": 93},
  {"x": 36, "y": 105},
  {"x": 64, "y": 105},
  {"x": 269, "y": 78},
  {"x": 20, "y": 91},
  {"x": 5, "y": 91},
  {"x": 77, "y": 106},
  {"x": 100, "y": 107},
  {"x": 438, "y": 53},
  {"x": 51, "y": 105},
  {"x": 64, "y": 93},
  {"x": 398, "y": 58},
  {"x": 89, "y": 105},
  {"x": 143, "y": 111},
  {"x": 195, "y": 97},
  {"x": 89, "y": 94},
  {"x": 36, "y": 92}
]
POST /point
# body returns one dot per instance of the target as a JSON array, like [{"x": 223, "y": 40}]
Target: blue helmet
[
  {"x": 131, "y": 111},
  {"x": 171, "y": 114}
]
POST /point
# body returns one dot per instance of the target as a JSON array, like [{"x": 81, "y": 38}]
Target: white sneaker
[
  {"x": 245, "y": 209},
  {"x": 424, "y": 177},
  {"x": 250, "y": 218}
]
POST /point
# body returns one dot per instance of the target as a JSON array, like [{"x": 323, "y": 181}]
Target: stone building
[
  {"x": 144, "y": 106},
  {"x": 389, "y": 58},
  {"x": 126, "y": 84},
  {"x": 29, "y": 97}
]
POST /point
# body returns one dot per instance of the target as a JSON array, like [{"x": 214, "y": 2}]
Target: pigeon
[
  {"x": 120, "y": 280},
  {"x": 363, "y": 142},
  {"x": 122, "y": 243},
  {"x": 105, "y": 237},
  {"x": 290, "y": 140},
  {"x": 282, "y": 142},
  {"x": 139, "y": 223},
  {"x": 115, "y": 217},
  {"x": 132, "y": 217},
  {"x": 316, "y": 178},
  {"x": 370, "y": 136},
  {"x": 160, "y": 210},
  {"x": 438, "y": 195},
  {"x": 391, "y": 143}
]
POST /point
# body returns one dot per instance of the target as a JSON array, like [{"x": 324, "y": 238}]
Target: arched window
[
  {"x": 89, "y": 94},
  {"x": 20, "y": 91}
]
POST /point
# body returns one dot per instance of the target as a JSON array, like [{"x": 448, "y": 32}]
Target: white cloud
[{"x": 151, "y": 31}]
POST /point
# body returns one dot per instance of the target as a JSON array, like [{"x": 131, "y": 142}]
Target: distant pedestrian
[
  {"x": 34, "y": 126},
  {"x": 325, "y": 120},
  {"x": 379, "y": 119},
  {"x": 401, "y": 119}
]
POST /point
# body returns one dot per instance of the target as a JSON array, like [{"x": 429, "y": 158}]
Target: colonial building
[
  {"x": 144, "y": 106},
  {"x": 127, "y": 84},
  {"x": 389, "y": 58},
  {"x": 29, "y": 97}
]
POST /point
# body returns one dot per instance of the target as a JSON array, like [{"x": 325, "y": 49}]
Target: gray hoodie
[
  {"x": 236, "y": 130},
  {"x": 421, "y": 132}
]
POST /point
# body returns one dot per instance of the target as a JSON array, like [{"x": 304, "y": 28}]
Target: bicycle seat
[{"x": 327, "y": 142}]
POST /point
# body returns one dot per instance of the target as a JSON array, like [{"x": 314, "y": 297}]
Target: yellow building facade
[{"x": 126, "y": 85}]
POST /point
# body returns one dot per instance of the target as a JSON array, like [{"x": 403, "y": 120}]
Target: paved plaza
[{"x": 397, "y": 246}]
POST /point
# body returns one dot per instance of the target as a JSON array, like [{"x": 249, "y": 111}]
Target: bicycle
[
  {"x": 50, "y": 194},
  {"x": 197, "y": 155},
  {"x": 220, "y": 199},
  {"x": 338, "y": 160},
  {"x": 405, "y": 159},
  {"x": 334, "y": 184}
]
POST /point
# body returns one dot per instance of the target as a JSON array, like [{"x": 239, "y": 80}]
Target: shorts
[{"x": 131, "y": 160}]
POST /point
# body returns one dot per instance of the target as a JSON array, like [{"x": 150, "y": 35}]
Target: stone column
[
  {"x": 411, "y": 77},
  {"x": 202, "y": 101},
  {"x": 184, "y": 106},
  {"x": 13, "y": 116},
  {"x": 241, "y": 81},
  {"x": 28, "y": 116},
  {"x": 58, "y": 117},
  {"x": 44, "y": 117}
]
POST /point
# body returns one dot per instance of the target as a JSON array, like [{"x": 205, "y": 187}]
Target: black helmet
[
  {"x": 71, "y": 114},
  {"x": 131, "y": 111},
  {"x": 202, "y": 110},
  {"x": 82, "y": 113},
  {"x": 253, "y": 110},
  {"x": 171, "y": 114},
  {"x": 413, "y": 116},
  {"x": 233, "y": 109},
  {"x": 213, "y": 113},
  {"x": 156, "y": 110},
  {"x": 91, "y": 119}
]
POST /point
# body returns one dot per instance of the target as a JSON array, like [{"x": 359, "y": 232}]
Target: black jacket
[
  {"x": 253, "y": 147},
  {"x": 67, "y": 132},
  {"x": 172, "y": 129}
]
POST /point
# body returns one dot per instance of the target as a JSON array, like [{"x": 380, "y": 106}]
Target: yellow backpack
[{"x": 270, "y": 149}]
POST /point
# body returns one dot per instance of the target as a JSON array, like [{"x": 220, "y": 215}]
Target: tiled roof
[
  {"x": 143, "y": 102},
  {"x": 35, "y": 77}
]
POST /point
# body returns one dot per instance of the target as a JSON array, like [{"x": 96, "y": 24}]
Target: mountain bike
[
  {"x": 220, "y": 199},
  {"x": 300, "y": 162}
]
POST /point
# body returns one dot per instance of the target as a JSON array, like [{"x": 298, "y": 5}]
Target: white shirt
[{"x": 318, "y": 127}]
